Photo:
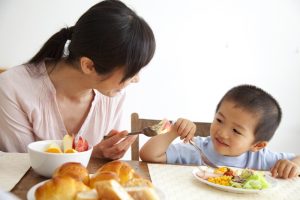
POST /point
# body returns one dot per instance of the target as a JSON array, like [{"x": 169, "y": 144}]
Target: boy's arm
[
  {"x": 154, "y": 150},
  {"x": 297, "y": 161}
]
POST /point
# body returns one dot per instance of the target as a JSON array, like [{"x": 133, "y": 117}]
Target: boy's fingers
[
  {"x": 287, "y": 171},
  {"x": 293, "y": 172}
]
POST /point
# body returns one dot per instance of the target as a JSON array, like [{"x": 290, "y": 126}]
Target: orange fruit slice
[
  {"x": 70, "y": 151},
  {"x": 53, "y": 148}
]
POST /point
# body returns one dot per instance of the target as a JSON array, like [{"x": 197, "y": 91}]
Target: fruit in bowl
[
  {"x": 69, "y": 145},
  {"x": 47, "y": 155}
]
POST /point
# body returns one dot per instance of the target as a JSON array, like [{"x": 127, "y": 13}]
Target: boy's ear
[
  {"x": 258, "y": 146},
  {"x": 87, "y": 65}
]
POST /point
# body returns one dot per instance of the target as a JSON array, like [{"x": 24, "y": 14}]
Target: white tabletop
[{"x": 178, "y": 182}]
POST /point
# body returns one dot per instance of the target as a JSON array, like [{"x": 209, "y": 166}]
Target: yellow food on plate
[{"x": 221, "y": 180}]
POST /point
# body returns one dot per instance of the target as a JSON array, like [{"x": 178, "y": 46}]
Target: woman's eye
[{"x": 236, "y": 131}]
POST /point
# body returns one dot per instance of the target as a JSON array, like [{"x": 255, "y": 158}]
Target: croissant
[
  {"x": 103, "y": 175},
  {"x": 60, "y": 187},
  {"x": 142, "y": 193},
  {"x": 111, "y": 190},
  {"x": 73, "y": 169},
  {"x": 123, "y": 170}
]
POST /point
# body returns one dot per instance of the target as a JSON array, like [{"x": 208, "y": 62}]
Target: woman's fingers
[{"x": 117, "y": 148}]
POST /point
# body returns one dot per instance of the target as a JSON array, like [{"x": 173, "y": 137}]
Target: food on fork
[{"x": 162, "y": 127}]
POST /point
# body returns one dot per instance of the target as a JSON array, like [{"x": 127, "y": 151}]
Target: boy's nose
[{"x": 223, "y": 133}]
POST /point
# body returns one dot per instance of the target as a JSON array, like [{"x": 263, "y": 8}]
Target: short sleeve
[
  {"x": 181, "y": 153},
  {"x": 272, "y": 157}
]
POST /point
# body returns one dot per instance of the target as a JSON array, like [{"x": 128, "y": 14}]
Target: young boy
[{"x": 245, "y": 120}]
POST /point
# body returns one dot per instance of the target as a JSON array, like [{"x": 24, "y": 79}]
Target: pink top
[{"x": 29, "y": 112}]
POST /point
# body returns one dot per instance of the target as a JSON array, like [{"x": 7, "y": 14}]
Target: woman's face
[
  {"x": 232, "y": 131},
  {"x": 112, "y": 85}
]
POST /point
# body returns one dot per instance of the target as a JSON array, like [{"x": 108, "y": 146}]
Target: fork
[
  {"x": 146, "y": 131},
  {"x": 205, "y": 160}
]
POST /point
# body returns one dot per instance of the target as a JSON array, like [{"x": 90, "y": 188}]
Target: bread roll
[
  {"x": 87, "y": 195},
  {"x": 122, "y": 169},
  {"x": 101, "y": 176},
  {"x": 139, "y": 182},
  {"x": 60, "y": 187},
  {"x": 111, "y": 190},
  {"x": 75, "y": 170},
  {"x": 142, "y": 193}
]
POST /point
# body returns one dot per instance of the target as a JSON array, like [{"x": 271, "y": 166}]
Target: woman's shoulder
[{"x": 23, "y": 80}]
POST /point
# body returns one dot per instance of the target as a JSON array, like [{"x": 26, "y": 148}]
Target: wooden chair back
[
  {"x": 2, "y": 70},
  {"x": 138, "y": 124}
]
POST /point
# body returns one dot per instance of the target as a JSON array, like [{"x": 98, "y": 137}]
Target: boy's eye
[
  {"x": 237, "y": 132},
  {"x": 219, "y": 120}
]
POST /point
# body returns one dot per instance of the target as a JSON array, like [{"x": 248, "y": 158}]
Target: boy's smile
[{"x": 233, "y": 128}]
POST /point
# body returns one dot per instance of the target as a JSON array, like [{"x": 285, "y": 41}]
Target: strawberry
[{"x": 81, "y": 145}]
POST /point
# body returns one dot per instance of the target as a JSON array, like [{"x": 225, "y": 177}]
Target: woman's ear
[
  {"x": 258, "y": 146},
  {"x": 87, "y": 65}
]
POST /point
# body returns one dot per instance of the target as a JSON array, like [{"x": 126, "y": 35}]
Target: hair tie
[{"x": 68, "y": 32}]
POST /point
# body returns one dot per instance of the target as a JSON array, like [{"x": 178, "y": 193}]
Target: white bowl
[{"x": 45, "y": 163}]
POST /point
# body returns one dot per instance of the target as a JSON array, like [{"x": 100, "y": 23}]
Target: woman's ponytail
[{"x": 54, "y": 48}]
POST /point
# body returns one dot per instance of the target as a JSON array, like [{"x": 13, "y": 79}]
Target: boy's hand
[
  {"x": 185, "y": 129},
  {"x": 285, "y": 169}
]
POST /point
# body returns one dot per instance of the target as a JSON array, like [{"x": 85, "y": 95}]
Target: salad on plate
[{"x": 235, "y": 180}]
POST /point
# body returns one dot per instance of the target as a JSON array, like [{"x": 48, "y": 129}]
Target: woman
[{"x": 78, "y": 91}]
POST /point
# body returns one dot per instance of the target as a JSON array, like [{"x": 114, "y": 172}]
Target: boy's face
[{"x": 232, "y": 131}]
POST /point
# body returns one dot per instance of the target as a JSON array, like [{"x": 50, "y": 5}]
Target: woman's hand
[
  {"x": 185, "y": 129},
  {"x": 113, "y": 147},
  {"x": 285, "y": 169}
]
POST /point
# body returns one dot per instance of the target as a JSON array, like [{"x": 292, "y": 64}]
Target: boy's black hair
[
  {"x": 110, "y": 34},
  {"x": 257, "y": 101}
]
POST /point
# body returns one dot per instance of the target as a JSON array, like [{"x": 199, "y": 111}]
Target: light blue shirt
[{"x": 264, "y": 159}]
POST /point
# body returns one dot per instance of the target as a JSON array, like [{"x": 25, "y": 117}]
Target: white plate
[
  {"x": 30, "y": 193},
  {"x": 270, "y": 180}
]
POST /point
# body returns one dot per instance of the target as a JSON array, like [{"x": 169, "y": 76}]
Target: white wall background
[{"x": 204, "y": 47}]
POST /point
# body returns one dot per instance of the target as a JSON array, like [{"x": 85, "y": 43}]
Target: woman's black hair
[
  {"x": 262, "y": 104},
  {"x": 110, "y": 34}
]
